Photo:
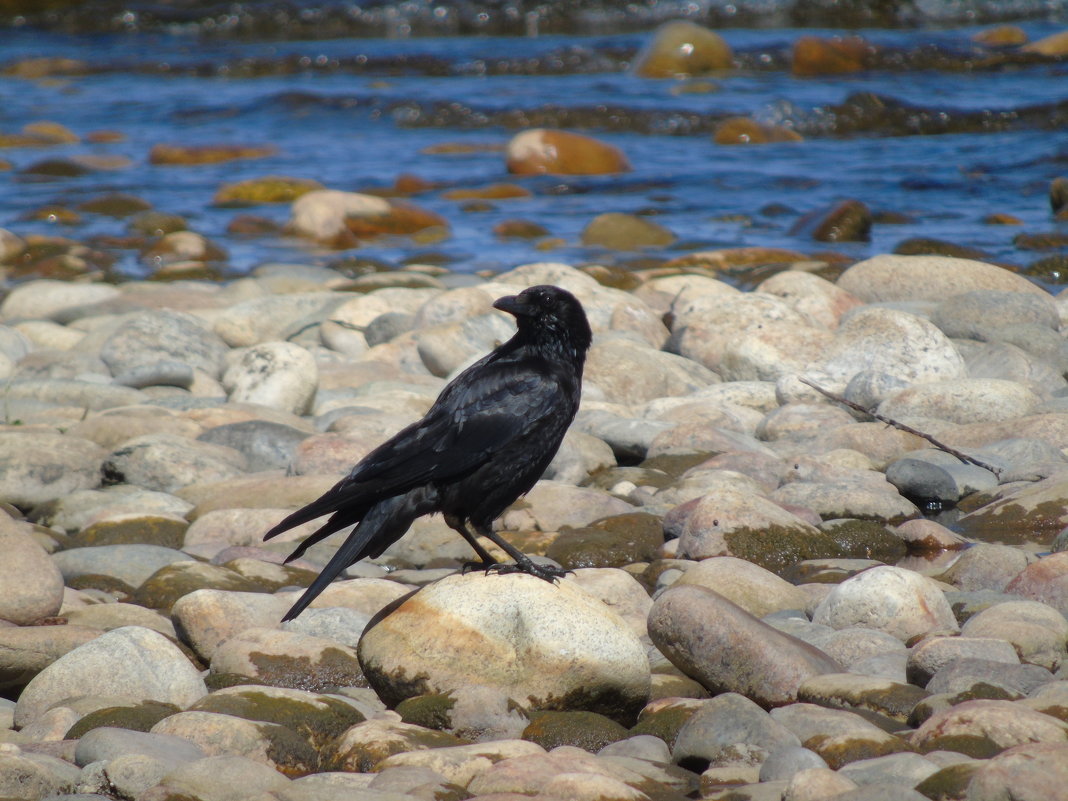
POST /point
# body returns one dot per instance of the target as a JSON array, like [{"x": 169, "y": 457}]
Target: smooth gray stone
[
  {"x": 106, "y": 742},
  {"x": 130, "y": 563},
  {"x": 785, "y": 762},
  {"x": 963, "y": 674},
  {"x": 267, "y": 445},
  {"x": 723, "y": 723},
  {"x": 91, "y": 395},
  {"x": 905, "y": 769},
  {"x": 388, "y": 326},
  {"x": 150, "y": 337},
  {"x": 629, "y": 438},
  {"x": 937, "y": 475}
]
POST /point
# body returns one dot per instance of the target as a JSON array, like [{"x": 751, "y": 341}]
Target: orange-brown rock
[
  {"x": 340, "y": 219},
  {"x": 681, "y": 48},
  {"x": 491, "y": 192},
  {"x": 727, "y": 258},
  {"x": 105, "y": 137},
  {"x": 544, "y": 150},
  {"x": 51, "y": 131},
  {"x": 1054, "y": 45},
  {"x": 1001, "y": 36},
  {"x": 814, "y": 55},
  {"x": 1001, "y": 218},
  {"x": 847, "y": 221},
  {"x": 519, "y": 229},
  {"x": 400, "y": 220},
  {"x": 461, "y": 148},
  {"x": 184, "y": 155},
  {"x": 745, "y": 131},
  {"x": 1058, "y": 194},
  {"x": 625, "y": 232},
  {"x": 44, "y": 67}
]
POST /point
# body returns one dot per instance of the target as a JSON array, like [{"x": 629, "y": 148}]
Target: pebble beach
[
  {"x": 814, "y": 505},
  {"x": 757, "y": 609}
]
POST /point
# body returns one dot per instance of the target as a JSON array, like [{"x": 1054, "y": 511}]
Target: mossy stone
[
  {"x": 156, "y": 223},
  {"x": 292, "y": 755},
  {"x": 431, "y": 711},
  {"x": 148, "y": 530},
  {"x": 972, "y": 745},
  {"x": 839, "y": 751},
  {"x": 362, "y": 757},
  {"x": 219, "y": 681},
  {"x": 778, "y": 548},
  {"x": 950, "y": 783},
  {"x": 171, "y": 582},
  {"x": 865, "y": 539},
  {"x": 115, "y": 204},
  {"x": 664, "y": 723},
  {"x": 138, "y": 717},
  {"x": 317, "y": 722},
  {"x": 586, "y": 730},
  {"x": 610, "y": 542},
  {"x": 268, "y": 189}
]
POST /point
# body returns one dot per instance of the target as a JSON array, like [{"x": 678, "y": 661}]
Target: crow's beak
[{"x": 513, "y": 304}]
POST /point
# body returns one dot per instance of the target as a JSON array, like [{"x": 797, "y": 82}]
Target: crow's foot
[
  {"x": 545, "y": 572},
  {"x": 485, "y": 566}
]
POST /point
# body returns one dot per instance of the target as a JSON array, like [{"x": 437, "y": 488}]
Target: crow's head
[{"x": 549, "y": 312}]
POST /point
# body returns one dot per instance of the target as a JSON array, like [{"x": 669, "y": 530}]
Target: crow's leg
[
  {"x": 458, "y": 525},
  {"x": 523, "y": 563}
]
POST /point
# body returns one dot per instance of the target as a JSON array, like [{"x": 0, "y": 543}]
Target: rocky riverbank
[{"x": 758, "y": 609}]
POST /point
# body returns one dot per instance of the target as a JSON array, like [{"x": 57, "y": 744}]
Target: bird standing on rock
[{"x": 487, "y": 439}]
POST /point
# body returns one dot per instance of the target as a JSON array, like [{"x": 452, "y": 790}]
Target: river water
[{"x": 966, "y": 136}]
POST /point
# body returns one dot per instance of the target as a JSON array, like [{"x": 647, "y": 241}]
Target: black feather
[{"x": 486, "y": 440}]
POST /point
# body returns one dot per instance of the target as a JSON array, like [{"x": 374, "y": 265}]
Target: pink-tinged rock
[
  {"x": 890, "y": 277},
  {"x": 1045, "y": 580},
  {"x": 31, "y": 585},
  {"x": 726, "y": 649},
  {"x": 984, "y": 728},
  {"x": 890, "y": 599},
  {"x": 1036, "y": 772}
]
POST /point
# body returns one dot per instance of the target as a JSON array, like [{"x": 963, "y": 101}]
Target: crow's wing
[{"x": 486, "y": 408}]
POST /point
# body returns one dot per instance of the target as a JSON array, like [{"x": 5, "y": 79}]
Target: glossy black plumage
[{"x": 486, "y": 440}]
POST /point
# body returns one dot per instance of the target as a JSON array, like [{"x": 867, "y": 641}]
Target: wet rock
[
  {"x": 728, "y": 650},
  {"x": 164, "y": 335},
  {"x": 1045, "y": 580},
  {"x": 31, "y": 586},
  {"x": 586, "y": 730},
  {"x": 814, "y": 55},
  {"x": 892, "y": 277},
  {"x": 1035, "y": 512},
  {"x": 847, "y": 221},
  {"x": 338, "y": 219},
  {"x": 540, "y": 150},
  {"x": 679, "y": 48},
  {"x": 130, "y": 661},
  {"x": 604, "y": 668},
  {"x": 187, "y": 155},
  {"x": 746, "y": 131},
  {"x": 268, "y": 189},
  {"x": 983, "y": 729},
  {"x": 288, "y": 659},
  {"x": 612, "y": 542},
  {"x": 179, "y": 247},
  {"x": 897, "y": 601},
  {"x": 280, "y": 375},
  {"x": 625, "y": 232},
  {"x": 166, "y": 462},
  {"x": 38, "y": 467},
  {"x": 935, "y": 475},
  {"x": 1035, "y": 630}
]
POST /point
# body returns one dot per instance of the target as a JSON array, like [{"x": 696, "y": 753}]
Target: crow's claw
[
  {"x": 545, "y": 572},
  {"x": 468, "y": 566}
]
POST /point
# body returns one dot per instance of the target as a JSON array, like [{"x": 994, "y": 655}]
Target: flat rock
[
  {"x": 131, "y": 564},
  {"x": 546, "y": 645},
  {"x": 163, "y": 335},
  {"x": 890, "y": 277},
  {"x": 166, "y": 462},
  {"x": 728, "y": 650},
  {"x": 288, "y": 659},
  {"x": 37, "y": 467}
]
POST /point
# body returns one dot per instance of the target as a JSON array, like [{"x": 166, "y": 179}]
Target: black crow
[{"x": 486, "y": 440}]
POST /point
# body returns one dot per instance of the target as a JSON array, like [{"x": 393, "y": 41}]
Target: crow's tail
[{"x": 381, "y": 526}]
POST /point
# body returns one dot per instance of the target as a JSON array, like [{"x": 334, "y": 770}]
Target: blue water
[{"x": 354, "y": 131}]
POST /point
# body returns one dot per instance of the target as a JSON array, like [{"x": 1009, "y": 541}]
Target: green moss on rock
[
  {"x": 149, "y": 530},
  {"x": 950, "y": 783},
  {"x": 611, "y": 542},
  {"x": 586, "y": 730},
  {"x": 137, "y": 717},
  {"x": 431, "y": 711},
  {"x": 318, "y": 722},
  {"x": 778, "y": 548},
  {"x": 864, "y": 539}
]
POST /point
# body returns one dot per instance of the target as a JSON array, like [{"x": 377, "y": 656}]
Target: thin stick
[{"x": 908, "y": 429}]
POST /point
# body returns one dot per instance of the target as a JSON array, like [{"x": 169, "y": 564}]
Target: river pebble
[{"x": 709, "y": 503}]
